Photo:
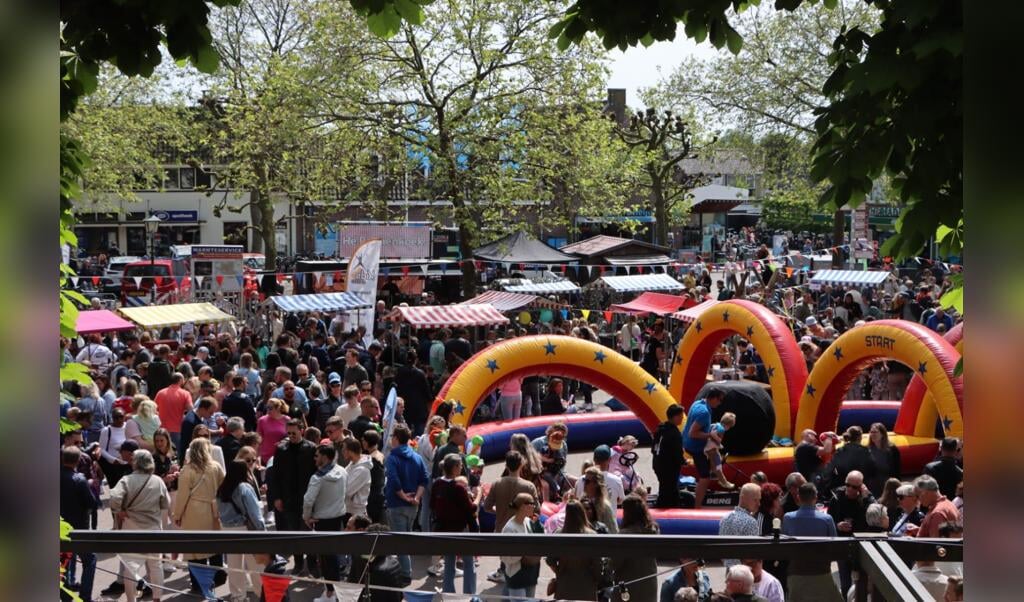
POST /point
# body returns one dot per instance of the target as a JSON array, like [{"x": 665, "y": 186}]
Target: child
[
  {"x": 623, "y": 459},
  {"x": 474, "y": 492},
  {"x": 713, "y": 448}
]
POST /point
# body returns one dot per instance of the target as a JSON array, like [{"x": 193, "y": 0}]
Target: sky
[{"x": 639, "y": 67}]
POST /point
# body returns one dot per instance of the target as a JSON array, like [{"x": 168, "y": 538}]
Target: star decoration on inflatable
[
  {"x": 725, "y": 316},
  {"x": 679, "y": 358},
  {"x": 599, "y": 356},
  {"x": 459, "y": 408},
  {"x": 492, "y": 365},
  {"x": 838, "y": 353},
  {"x": 549, "y": 349},
  {"x": 770, "y": 370},
  {"x": 649, "y": 387},
  {"x": 922, "y": 367},
  {"x": 750, "y": 331},
  {"x": 810, "y": 389},
  {"x": 699, "y": 327},
  {"x": 946, "y": 422}
]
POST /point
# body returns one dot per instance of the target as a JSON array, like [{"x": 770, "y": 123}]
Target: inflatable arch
[
  {"x": 770, "y": 336},
  {"x": 929, "y": 355},
  {"x": 557, "y": 355},
  {"x": 922, "y": 414}
]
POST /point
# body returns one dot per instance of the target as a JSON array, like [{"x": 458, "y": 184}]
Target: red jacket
[{"x": 451, "y": 506}]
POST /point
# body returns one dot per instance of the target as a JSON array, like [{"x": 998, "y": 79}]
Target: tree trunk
[
  {"x": 838, "y": 231},
  {"x": 468, "y": 265},
  {"x": 660, "y": 210},
  {"x": 256, "y": 217}
]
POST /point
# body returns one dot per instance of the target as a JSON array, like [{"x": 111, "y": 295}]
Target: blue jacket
[
  {"x": 76, "y": 499},
  {"x": 405, "y": 472},
  {"x": 244, "y": 499}
]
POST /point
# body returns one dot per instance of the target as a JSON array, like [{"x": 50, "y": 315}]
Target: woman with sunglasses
[
  {"x": 596, "y": 492},
  {"x": 522, "y": 572},
  {"x": 576, "y": 577},
  {"x": 638, "y": 569},
  {"x": 239, "y": 505}
]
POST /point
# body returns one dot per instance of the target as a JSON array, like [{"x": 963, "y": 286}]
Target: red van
[{"x": 167, "y": 275}]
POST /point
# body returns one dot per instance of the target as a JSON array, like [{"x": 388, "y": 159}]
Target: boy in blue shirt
[{"x": 695, "y": 437}]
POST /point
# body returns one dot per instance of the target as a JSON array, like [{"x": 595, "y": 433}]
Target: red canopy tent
[
  {"x": 655, "y": 303},
  {"x": 692, "y": 313},
  {"x": 101, "y": 320}
]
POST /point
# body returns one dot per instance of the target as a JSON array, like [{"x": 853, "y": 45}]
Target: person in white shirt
[
  {"x": 351, "y": 409},
  {"x": 523, "y": 571},
  {"x": 612, "y": 481},
  {"x": 96, "y": 353},
  {"x": 111, "y": 438},
  {"x": 357, "y": 487},
  {"x": 323, "y": 509},
  {"x": 765, "y": 584},
  {"x": 932, "y": 578},
  {"x": 629, "y": 339}
]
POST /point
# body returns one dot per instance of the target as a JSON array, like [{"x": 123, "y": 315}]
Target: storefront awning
[
  {"x": 656, "y": 259},
  {"x": 545, "y": 288},
  {"x": 440, "y": 316},
  {"x": 652, "y": 303},
  {"x": 101, "y": 320},
  {"x": 343, "y": 301},
  {"x": 691, "y": 314},
  {"x": 504, "y": 301},
  {"x": 862, "y": 277},
  {"x": 640, "y": 282},
  {"x": 158, "y": 316}
]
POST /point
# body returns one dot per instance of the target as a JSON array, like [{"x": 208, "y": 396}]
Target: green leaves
[
  {"x": 410, "y": 11},
  {"x": 385, "y": 24}
]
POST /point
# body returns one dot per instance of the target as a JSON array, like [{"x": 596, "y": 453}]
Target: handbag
[
  {"x": 188, "y": 498},
  {"x": 118, "y": 521}
]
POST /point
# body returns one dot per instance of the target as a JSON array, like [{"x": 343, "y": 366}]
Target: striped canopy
[
  {"x": 863, "y": 277},
  {"x": 544, "y": 288},
  {"x": 691, "y": 314},
  {"x": 158, "y": 316},
  {"x": 101, "y": 320},
  {"x": 320, "y": 302},
  {"x": 505, "y": 301},
  {"x": 641, "y": 282},
  {"x": 439, "y": 316}
]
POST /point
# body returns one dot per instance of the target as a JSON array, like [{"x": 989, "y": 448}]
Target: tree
[
  {"x": 664, "y": 142},
  {"x": 894, "y": 96},
  {"x": 457, "y": 93}
]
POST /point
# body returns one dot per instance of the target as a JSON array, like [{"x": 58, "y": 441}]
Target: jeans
[
  {"x": 531, "y": 400},
  {"x": 511, "y": 406},
  {"x": 424, "y": 515},
  {"x": 330, "y": 568},
  {"x": 468, "y": 575},
  {"x": 176, "y": 440},
  {"x": 88, "y": 574},
  {"x": 291, "y": 520},
  {"x": 400, "y": 520},
  {"x": 521, "y": 594}
]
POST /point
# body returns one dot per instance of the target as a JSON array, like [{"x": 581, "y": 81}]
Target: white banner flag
[{"x": 362, "y": 280}]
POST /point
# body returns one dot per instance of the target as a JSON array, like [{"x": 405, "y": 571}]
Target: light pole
[{"x": 152, "y": 225}]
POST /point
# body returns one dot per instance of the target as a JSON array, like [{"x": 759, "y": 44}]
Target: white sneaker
[
  {"x": 497, "y": 576},
  {"x": 458, "y": 572},
  {"x": 327, "y": 597}
]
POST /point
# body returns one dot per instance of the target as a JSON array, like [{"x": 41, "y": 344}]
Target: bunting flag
[
  {"x": 348, "y": 592},
  {"x": 204, "y": 576},
  {"x": 199, "y": 280},
  {"x": 417, "y": 596},
  {"x": 789, "y": 272},
  {"x": 385, "y": 271},
  {"x": 522, "y": 267},
  {"x": 338, "y": 277},
  {"x": 586, "y": 313},
  {"x": 281, "y": 278},
  {"x": 328, "y": 279},
  {"x": 159, "y": 280},
  {"x": 479, "y": 265},
  {"x": 138, "y": 281},
  {"x": 240, "y": 279},
  {"x": 95, "y": 280},
  {"x": 444, "y": 268},
  {"x": 507, "y": 266},
  {"x": 607, "y": 316},
  {"x": 220, "y": 279},
  {"x": 423, "y": 268},
  {"x": 565, "y": 314},
  {"x": 74, "y": 281},
  {"x": 405, "y": 270},
  {"x": 274, "y": 587}
]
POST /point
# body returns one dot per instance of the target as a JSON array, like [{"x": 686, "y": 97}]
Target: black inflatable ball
[{"x": 755, "y": 416}]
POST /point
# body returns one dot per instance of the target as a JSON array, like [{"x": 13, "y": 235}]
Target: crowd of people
[{"x": 284, "y": 430}]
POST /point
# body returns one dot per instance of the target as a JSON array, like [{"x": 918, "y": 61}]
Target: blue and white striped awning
[
  {"x": 641, "y": 282},
  {"x": 542, "y": 288},
  {"x": 862, "y": 277},
  {"x": 319, "y": 302}
]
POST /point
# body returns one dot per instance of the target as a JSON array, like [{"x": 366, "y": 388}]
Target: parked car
[{"x": 168, "y": 275}]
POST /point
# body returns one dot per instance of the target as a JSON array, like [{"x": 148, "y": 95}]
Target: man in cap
[
  {"x": 612, "y": 481},
  {"x": 322, "y": 409}
]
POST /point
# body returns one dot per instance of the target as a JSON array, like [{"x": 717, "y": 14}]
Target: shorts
[{"x": 702, "y": 464}]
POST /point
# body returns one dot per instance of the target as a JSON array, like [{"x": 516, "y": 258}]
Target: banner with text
[
  {"x": 398, "y": 242},
  {"x": 362, "y": 280}
]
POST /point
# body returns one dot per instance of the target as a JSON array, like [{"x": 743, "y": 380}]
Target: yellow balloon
[{"x": 524, "y": 318}]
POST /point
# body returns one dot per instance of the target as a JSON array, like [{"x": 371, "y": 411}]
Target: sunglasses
[
  {"x": 365, "y": 390},
  {"x": 250, "y": 461},
  {"x": 335, "y": 384}
]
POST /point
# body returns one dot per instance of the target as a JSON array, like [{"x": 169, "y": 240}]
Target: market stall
[
  {"x": 444, "y": 316},
  {"x": 654, "y": 303},
  {"x": 692, "y": 313},
  {"x": 639, "y": 283},
  {"x": 505, "y": 301},
  {"x": 344, "y": 301},
  {"x": 560, "y": 287},
  {"x": 101, "y": 320},
  {"x": 158, "y": 316}
]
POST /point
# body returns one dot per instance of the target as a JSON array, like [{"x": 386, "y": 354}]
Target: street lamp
[{"x": 152, "y": 225}]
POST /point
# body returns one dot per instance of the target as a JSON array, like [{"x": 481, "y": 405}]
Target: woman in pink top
[
  {"x": 511, "y": 401},
  {"x": 272, "y": 427}
]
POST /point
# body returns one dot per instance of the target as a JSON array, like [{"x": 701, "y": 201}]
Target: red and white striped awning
[
  {"x": 505, "y": 301},
  {"x": 439, "y": 316},
  {"x": 691, "y": 314}
]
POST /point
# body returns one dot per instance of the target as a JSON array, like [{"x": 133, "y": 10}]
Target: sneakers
[
  {"x": 115, "y": 589},
  {"x": 497, "y": 576},
  {"x": 458, "y": 572}
]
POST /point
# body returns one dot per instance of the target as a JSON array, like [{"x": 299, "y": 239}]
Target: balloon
[
  {"x": 524, "y": 318},
  {"x": 477, "y": 440},
  {"x": 473, "y": 461},
  {"x": 546, "y": 315}
]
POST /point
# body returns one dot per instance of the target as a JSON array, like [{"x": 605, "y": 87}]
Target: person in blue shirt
[
  {"x": 690, "y": 574},
  {"x": 77, "y": 503},
  {"x": 810, "y": 578},
  {"x": 937, "y": 318},
  {"x": 404, "y": 487},
  {"x": 695, "y": 437}
]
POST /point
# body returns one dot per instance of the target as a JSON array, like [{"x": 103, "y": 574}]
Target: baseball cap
[
  {"x": 333, "y": 378},
  {"x": 602, "y": 453},
  {"x": 811, "y": 321},
  {"x": 203, "y": 349},
  {"x": 129, "y": 445}
]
